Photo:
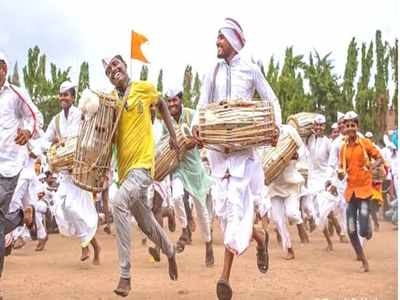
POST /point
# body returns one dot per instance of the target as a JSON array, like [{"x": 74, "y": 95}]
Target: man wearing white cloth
[
  {"x": 319, "y": 147},
  {"x": 340, "y": 185},
  {"x": 284, "y": 193},
  {"x": 236, "y": 174},
  {"x": 75, "y": 212}
]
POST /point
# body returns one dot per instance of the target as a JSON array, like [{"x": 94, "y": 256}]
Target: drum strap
[
  {"x": 213, "y": 84},
  {"x": 58, "y": 131}
]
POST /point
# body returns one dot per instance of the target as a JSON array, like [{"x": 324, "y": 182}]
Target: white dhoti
[
  {"x": 201, "y": 210},
  {"x": 41, "y": 209},
  {"x": 234, "y": 205},
  {"x": 326, "y": 204},
  {"x": 75, "y": 212},
  {"x": 284, "y": 209}
]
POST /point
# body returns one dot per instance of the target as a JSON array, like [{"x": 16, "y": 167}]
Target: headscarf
[{"x": 233, "y": 32}]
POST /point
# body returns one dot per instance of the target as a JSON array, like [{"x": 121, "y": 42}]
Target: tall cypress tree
[
  {"x": 350, "y": 73},
  {"x": 187, "y": 86},
  {"x": 381, "y": 77},
  {"x": 144, "y": 73},
  {"x": 160, "y": 81},
  {"x": 83, "y": 78},
  {"x": 395, "y": 71},
  {"x": 196, "y": 89}
]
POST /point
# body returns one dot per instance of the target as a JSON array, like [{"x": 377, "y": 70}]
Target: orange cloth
[
  {"x": 136, "y": 42},
  {"x": 359, "y": 174}
]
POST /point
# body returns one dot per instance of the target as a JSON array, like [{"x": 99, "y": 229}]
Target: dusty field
[{"x": 57, "y": 272}]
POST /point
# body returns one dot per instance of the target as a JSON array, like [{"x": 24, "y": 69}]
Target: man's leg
[
  {"x": 205, "y": 228},
  {"x": 278, "y": 214},
  {"x": 138, "y": 182},
  {"x": 352, "y": 211},
  {"x": 123, "y": 226},
  {"x": 181, "y": 212},
  {"x": 8, "y": 221},
  {"x": 224, "y": 290}
]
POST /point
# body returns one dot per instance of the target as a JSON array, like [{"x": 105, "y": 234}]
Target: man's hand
[
  {"x": 340, "y": 174},
  {"x": 295, "y": 156},
  {"x": 275, "y": 137},
  {"x": 23, "y": 136},
  {"x": 191, "y": 143},
  {"x": 40, "y": 195},
  {"x": 173, "y": 144},
  {"x": 196, "y": 136}
]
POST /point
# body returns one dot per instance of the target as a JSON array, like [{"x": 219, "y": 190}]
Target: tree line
[{"x": 301, "y": 82}]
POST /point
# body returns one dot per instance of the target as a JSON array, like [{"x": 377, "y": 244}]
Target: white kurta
[
  {"x": 74, "y": 208},
  {"x": 333, "y": 163},
  {"x": 235, "y": 196},
  {"x": 319, "y": 148}
]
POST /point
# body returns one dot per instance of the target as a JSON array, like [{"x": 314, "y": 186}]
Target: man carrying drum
[
  {"x": 75, "y": 212},
  {"x": 239, "y": 176},
  {"x": 191, "y": 177},
  {"x": 135, "y": 156}
]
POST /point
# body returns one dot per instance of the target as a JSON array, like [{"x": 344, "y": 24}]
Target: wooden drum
[
  {"x": 276, "y": 159},
  {"x": 61, "y": 155},
  {"x": 302, "y": 122},
  {"x": 93, "y": 152},
  {"x": 166, "y": 158},
  {"x": 232, "y": 126}
]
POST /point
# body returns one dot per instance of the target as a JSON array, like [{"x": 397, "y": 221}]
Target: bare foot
[
  {"x": 290, "y": 254},
  {"x": 172, "y": 268},
  {"x": 329, "y": 248},
  {"x": 85, "y": 253},
  {"x": 209, "y": 254},
  {"x": 107, "y": 229},
  {"x": 96, "y": 258},
  {"x": 124, "y": 287},
  {"x": 365, "y": 265}
]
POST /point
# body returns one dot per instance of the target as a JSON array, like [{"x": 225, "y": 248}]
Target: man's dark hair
[
  {"x": 180, "y": 95},
  {"x": 72, "y": 91},
  {"x": 47, "y": 173},
  {"x": 121, "y": 59}
]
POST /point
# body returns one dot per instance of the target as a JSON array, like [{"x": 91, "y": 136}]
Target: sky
[{"x": 184, "y": 32}]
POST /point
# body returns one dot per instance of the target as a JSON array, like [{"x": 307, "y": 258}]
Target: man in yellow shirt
[{"x": 135, "y": 156}]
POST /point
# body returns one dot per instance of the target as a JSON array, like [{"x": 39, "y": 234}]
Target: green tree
[
  {"x": 325, "y": 91},
  {"x": 43, "y": 92},
  {"x": 365, "y": 94},
  {"x": 187, "y": 86},
  {"x": 381, "y": 80},
  {"x": 196, "y": 89},
  {"x": 14, "y": 78},
  {"x": 83, "y": 78},
  {"x": 160, "y": 81},
  {"x": 144, "y": 73},
  {"x": 273, "y": 74},
  {"x": 350, "y": 73},
  {"x": 395, "y": 71}
]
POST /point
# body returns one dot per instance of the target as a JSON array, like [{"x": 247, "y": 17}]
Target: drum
[
  {"x": 61, "y": 156},
  {"x": 166, "y": 159},
  {"x": 93, "y": 151},
  {"x": 232, "y": 126},
  {"x": 276, "y": 159},
  {"x": 302, "y": 122}
]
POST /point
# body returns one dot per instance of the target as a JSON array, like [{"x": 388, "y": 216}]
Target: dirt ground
[{"x": 315, "y": 274}]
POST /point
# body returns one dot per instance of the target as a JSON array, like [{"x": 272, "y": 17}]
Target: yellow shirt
[{"x": 134, "y": 139}]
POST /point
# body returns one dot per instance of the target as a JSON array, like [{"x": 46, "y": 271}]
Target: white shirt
[
  {"x": 237, "y": 80},
  {"x": 15, "y": 112},
  {"x": 69, "y": 127},
  {"x": 319, "y": 148}
]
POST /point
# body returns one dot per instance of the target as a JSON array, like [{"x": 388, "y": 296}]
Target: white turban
[
  {"x": 233, "y": 32},
  {"x": 172, "y": 91},
  {"x": 350, "y": 115},
  {"x": 339, "y": 116},
  {"x": 66, "y": 86},
  {"x": 334, "y": 126},
  {"x": 320, "y": 119},
  {"x": 3, "y": 57},
  {"x": 369, "y": 134}
]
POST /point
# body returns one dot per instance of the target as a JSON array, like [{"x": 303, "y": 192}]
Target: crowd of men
[{"x": 332, "y": 183}]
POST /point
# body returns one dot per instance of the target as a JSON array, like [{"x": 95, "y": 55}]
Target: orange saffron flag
[{"x": 137, "y": 40}]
